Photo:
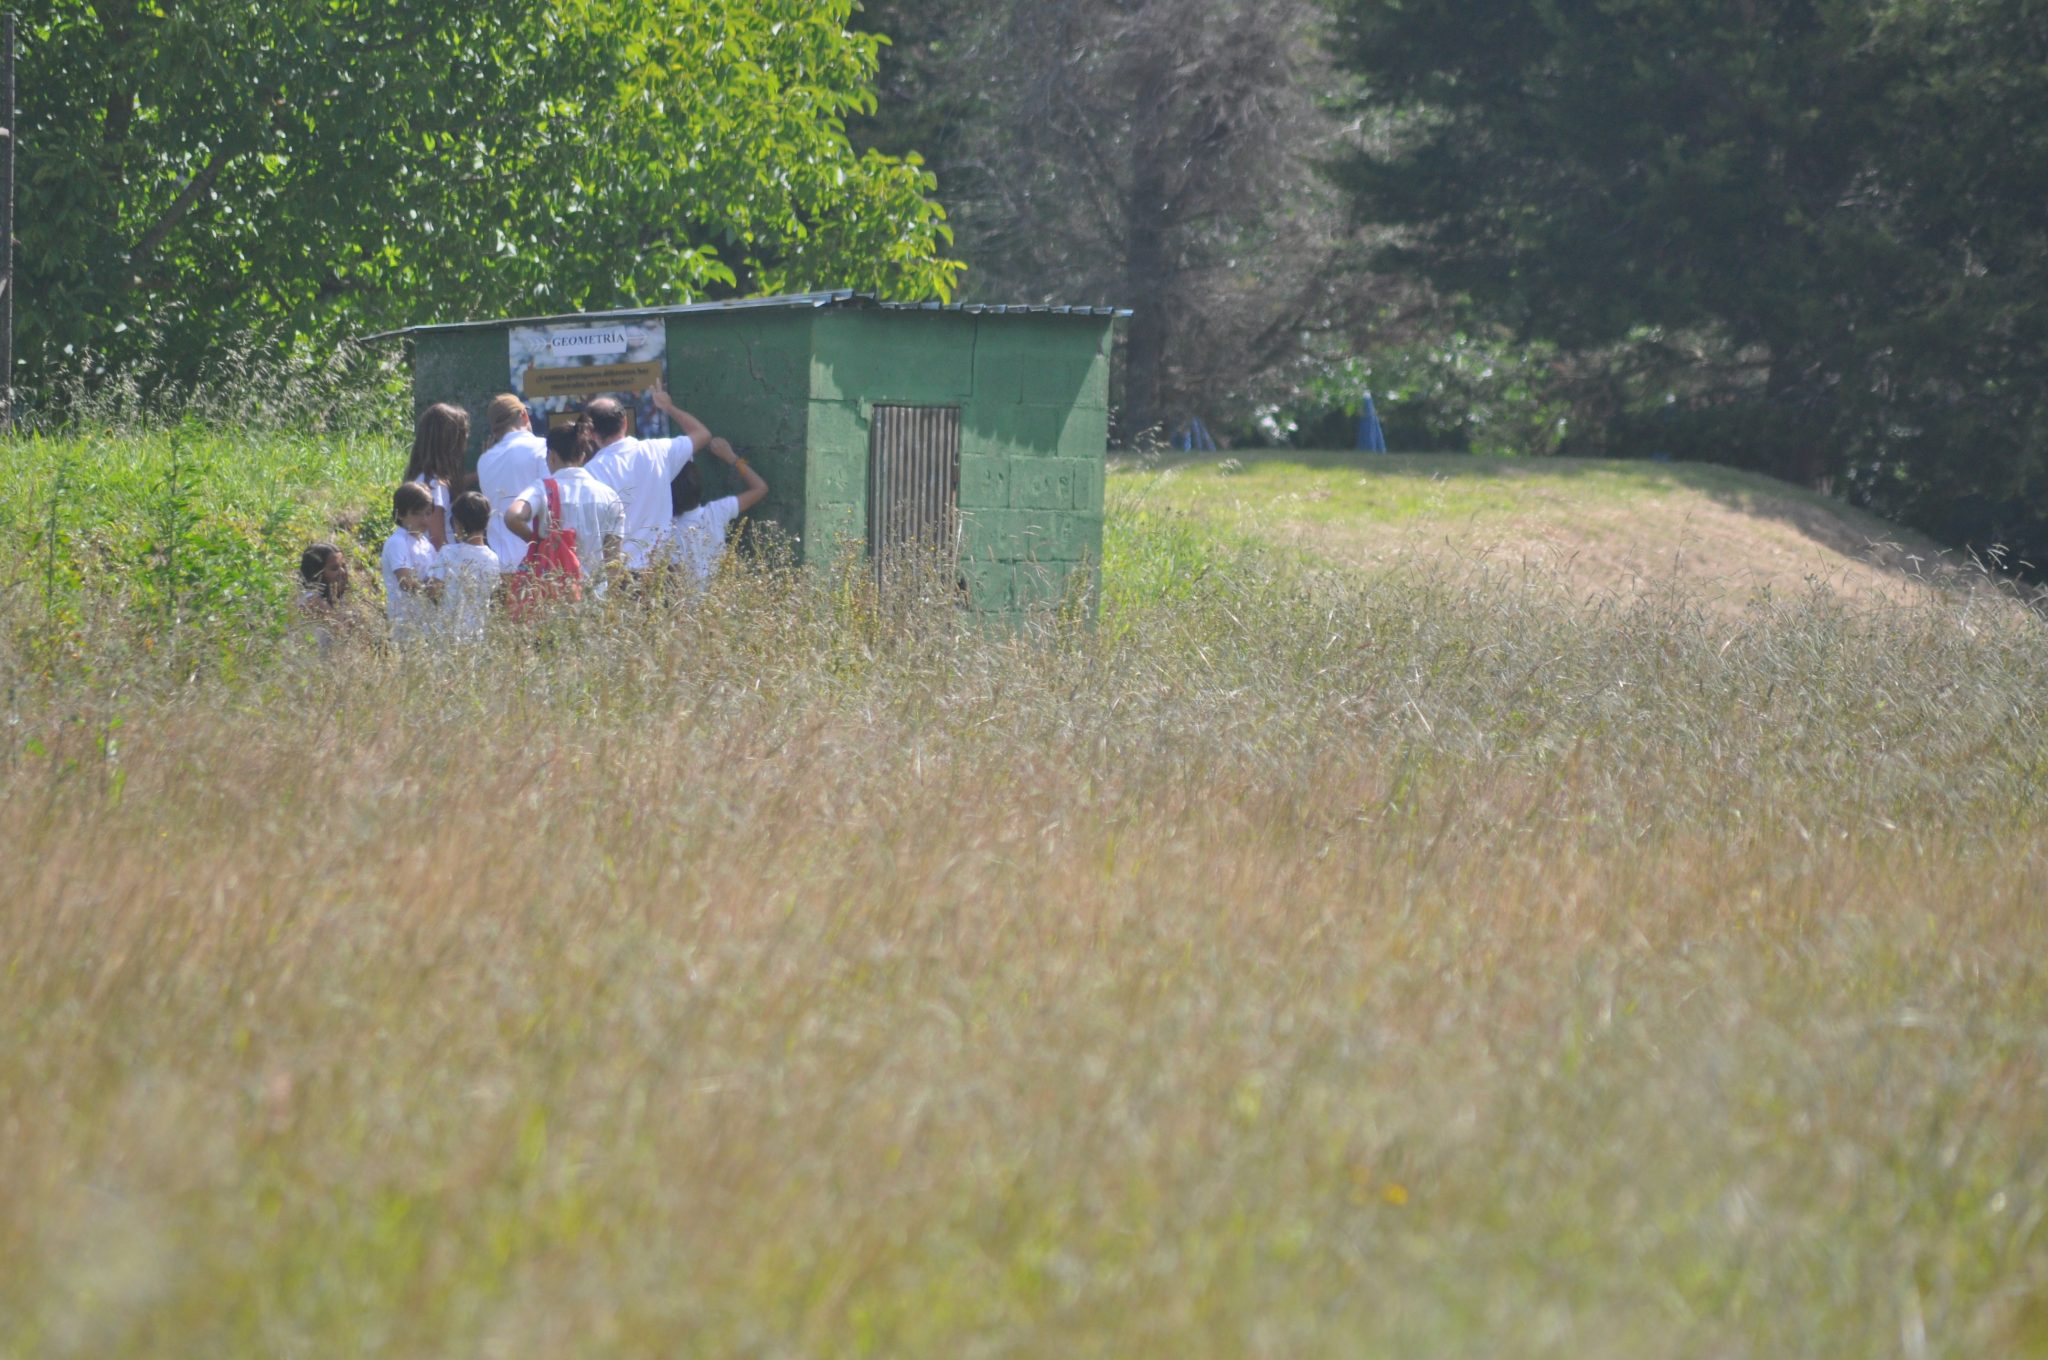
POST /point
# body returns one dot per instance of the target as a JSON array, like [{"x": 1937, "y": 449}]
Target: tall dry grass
[{"x": 1294, "y": 966}]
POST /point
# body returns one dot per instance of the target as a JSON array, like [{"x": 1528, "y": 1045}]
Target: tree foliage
[
  {"x": 1157, "y": 154},
  {"x": 1804, "y": 235},
  {"x": 301, "y": 168}
]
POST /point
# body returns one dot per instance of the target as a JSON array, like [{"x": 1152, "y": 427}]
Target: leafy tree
[
  {"x": 1807, "y": 233},
  {"x": 1158, "y": 154},
  {"x": 300, "y": 168},
  {"x": 1956, "y": 431}
]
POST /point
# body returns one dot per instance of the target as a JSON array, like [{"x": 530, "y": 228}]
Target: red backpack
[{"x": 551, "y": 572}]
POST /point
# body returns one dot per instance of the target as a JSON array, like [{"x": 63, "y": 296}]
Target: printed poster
[{"x": 559, "y": 369}]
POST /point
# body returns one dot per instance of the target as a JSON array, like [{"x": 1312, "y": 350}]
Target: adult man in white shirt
[
  {"x": 516, "y": 459},
  {"x": 641, "y": 469},
  {"x": 589, "y": 507}
]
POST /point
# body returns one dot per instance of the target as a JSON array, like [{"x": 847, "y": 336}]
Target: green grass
[
  {"x": 94, "y": 515},
  {"x": 1298, "y": 963},
  {"x": 1351, "y": 487},
  {"x": 186, "y": 524}
]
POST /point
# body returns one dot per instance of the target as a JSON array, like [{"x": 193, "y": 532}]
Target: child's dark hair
[
  {"x": 570, "y": 442},
  {"x": 410, "y": 499},
  {"x": 685, "y": 493},
  {"x": 313, "y": 563},
  {"x": 472, "y": 512}
]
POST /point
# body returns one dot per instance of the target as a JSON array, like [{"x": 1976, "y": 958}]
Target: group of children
[{"x": 633, "y": 509}]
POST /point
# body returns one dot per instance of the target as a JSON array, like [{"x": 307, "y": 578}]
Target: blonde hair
[{"x": 504, "y": 413}]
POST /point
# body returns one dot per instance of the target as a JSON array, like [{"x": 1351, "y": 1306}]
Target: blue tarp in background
[
  {"x": 1370, "y": 437},
  {"x": 1194, "y": 437}
]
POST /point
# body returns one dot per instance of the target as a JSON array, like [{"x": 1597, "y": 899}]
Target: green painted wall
[
  {"x": 860, "y": 359},
  {"x": 465, "y": 367},
  {"x": 1033, "y": 394},
  {"x": 1032, "y": 453},
  {"x": 745, "y": 374},
  {"x": 794, "y": 390}
]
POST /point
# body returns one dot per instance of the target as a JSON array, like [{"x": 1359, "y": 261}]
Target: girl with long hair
[{"x": 440, "y": 438}]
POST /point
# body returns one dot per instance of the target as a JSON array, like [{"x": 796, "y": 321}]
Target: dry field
[{"x": 1304, "y": 962}]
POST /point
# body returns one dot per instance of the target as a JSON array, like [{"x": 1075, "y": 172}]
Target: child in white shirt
[
  {"x": 697, "y": 533},
  {"x": 439, "y": 439},
  {"x": 406, "y": 559},
  {"x": 465, "y": 573}
]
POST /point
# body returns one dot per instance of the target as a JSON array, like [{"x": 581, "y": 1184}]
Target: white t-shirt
[
  {"x": 317, "y": 614},
  {"x": 406, "y": 550},
  {"x": 507, "y": 468},
  {"x": 468, "y": 574},
  {"x": 699, "y": 535},
  {"x": 640, "y": 471},
  {"x": 438, "y": 490},
  {"x": 589, "y": 507}
]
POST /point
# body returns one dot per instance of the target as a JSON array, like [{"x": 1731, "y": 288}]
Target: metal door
[{"x": 914, "y": 490}]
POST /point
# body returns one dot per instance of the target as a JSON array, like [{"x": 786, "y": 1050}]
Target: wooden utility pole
[{"x": 7, "y": 139}]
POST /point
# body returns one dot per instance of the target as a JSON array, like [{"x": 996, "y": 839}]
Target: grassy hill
[{"x": 1604, "y": 529}]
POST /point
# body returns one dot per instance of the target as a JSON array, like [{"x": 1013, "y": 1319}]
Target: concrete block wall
[
  {"x": 466, "y": 367},
  {"x": 745, "y": 374},
  {"x": 1033, "y": 396},
  {"x": 836, "y": 497},
  {"x": 1033, "y": 443},
  {"x": 861, "y": 359}
]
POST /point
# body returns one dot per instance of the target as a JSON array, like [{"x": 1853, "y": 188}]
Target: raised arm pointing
[{"x": 699, "y": 433}]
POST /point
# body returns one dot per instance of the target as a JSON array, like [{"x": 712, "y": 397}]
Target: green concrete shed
[{"x": 977, "y": 430}]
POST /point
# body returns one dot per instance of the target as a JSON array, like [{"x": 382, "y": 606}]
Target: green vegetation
[
  {"x": 1806, "y": 240},
  {"x": 1804, "y": 237},
  {"x": 187, "y": 535},
  {"x": 1262, "y": 492},
  {"x": 309, "y": 169},
  {"x": 1302, "y": 962},
  {"x": 1392, "y": 488}
]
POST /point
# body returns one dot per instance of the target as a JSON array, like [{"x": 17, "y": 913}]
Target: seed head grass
[{"x": 1291, "y": 962}]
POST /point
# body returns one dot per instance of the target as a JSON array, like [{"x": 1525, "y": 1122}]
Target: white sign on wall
[{"x": 559, "y": 369}]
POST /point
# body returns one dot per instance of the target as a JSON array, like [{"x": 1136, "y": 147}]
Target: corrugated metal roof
[{"x": 838, "y": 297}]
